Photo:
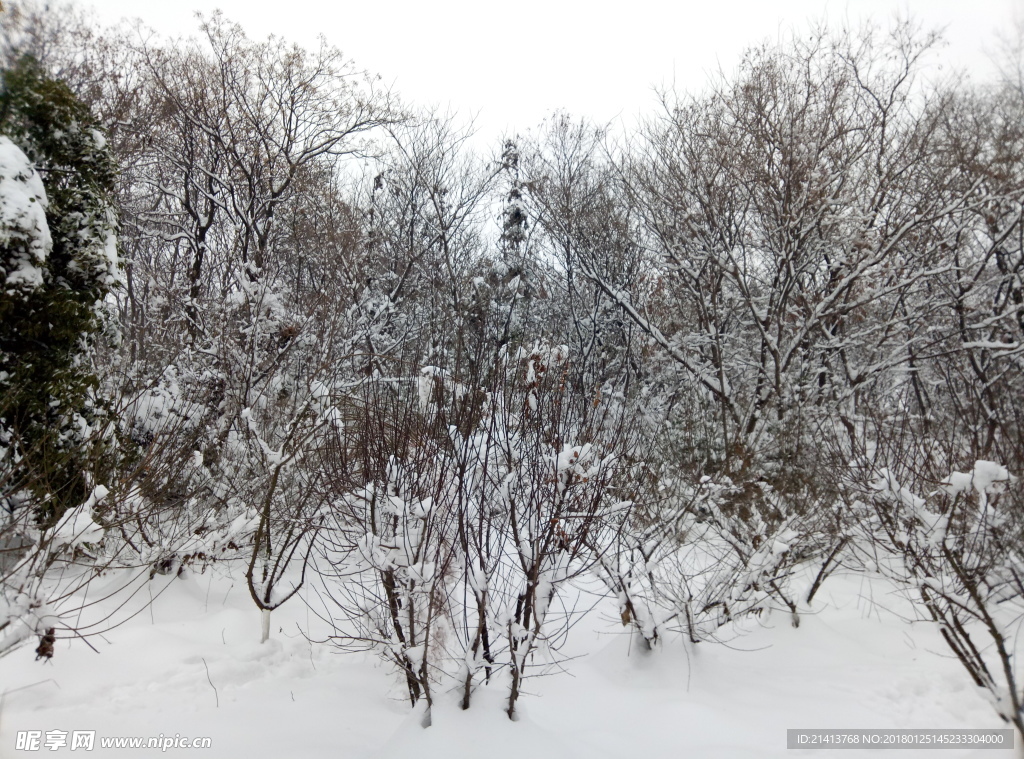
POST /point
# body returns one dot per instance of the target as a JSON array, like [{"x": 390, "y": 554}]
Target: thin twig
[{"x": 210, "y": 681}]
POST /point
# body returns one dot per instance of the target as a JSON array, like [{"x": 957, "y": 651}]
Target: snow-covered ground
[{"x": 191, "y": 664}]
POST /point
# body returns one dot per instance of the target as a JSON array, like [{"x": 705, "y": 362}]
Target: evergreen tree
[{"x": 58, "y": 265}]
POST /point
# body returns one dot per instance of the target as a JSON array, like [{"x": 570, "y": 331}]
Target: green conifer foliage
[{"x": 54, "y": 288}]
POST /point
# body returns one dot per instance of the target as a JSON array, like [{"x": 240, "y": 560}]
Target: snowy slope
[{"x": 191, "y": 664}]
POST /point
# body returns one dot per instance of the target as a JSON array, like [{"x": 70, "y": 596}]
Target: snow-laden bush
[
  {"x": 957, "y": 550},
  {"x": 455, "y": 545}
]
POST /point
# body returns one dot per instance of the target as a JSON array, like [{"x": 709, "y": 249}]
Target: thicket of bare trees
[{"x": 777, "y": 332}]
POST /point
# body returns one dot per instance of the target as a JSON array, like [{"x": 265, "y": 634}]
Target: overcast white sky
[{"x": 514, "y": 62}]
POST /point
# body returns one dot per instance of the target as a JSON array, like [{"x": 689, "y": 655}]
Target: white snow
[
  {"x": 22, "y": 216},
  {"x": 193, "y": 665},
  {"x": 987, "y": 477},
  {"x": 78, "y": 526}
]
